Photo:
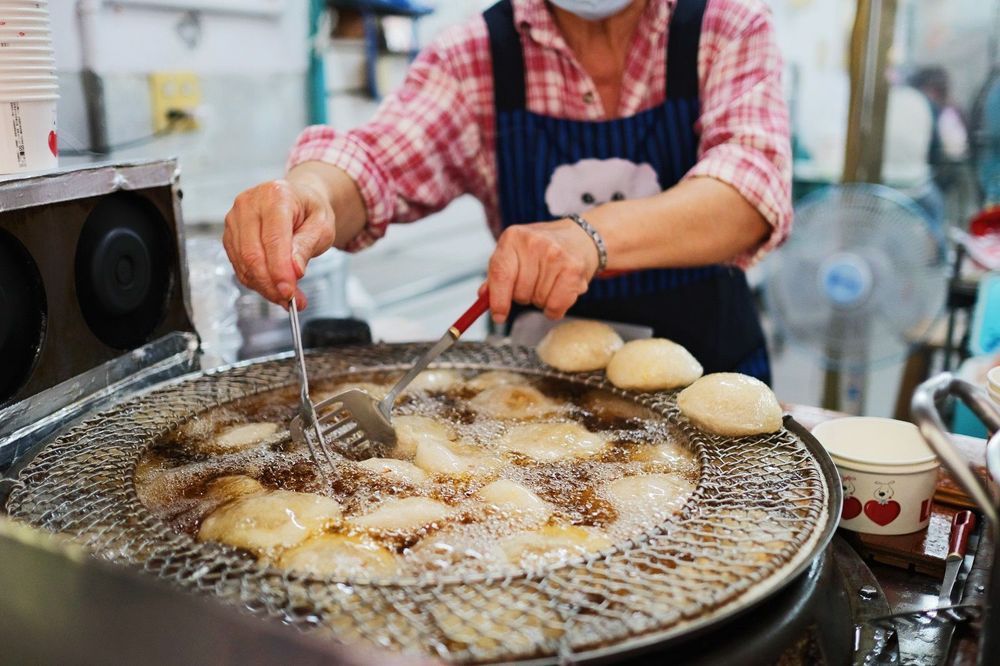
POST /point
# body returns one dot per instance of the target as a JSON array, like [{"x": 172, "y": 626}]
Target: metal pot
[
  {"x": 925, "y": 412},
  {"x": 764, "y": 509}
]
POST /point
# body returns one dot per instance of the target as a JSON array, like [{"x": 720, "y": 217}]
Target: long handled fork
[
  {"x": 353, "y": 416},
  {"x": 306, "y": 417}
]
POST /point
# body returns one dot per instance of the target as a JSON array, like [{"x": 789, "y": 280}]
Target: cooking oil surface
[{"x": 492, "y": 470}]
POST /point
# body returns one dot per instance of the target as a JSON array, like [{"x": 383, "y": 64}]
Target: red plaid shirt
[{"x": 433, "y": 139}]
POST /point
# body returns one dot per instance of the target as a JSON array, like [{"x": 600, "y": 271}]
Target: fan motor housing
[
  {"x": 91, "y": 266},
  {"x": 846, "y": 279}
]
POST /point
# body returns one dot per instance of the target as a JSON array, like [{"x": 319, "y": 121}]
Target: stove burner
[
  {"x": 122, "y": 270},
  {"x": 22, "y": 325}
]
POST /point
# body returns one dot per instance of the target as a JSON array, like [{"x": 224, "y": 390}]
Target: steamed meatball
[
  {"x": 655, "y": 364},
  {"x": 731, "y": 404},
  {"x": 269, "y": 521},
  {"x": 553, "y": 543},
  {"x": 579, "y": 346},
  {"x": 337, "y": 555},
  {"x": 514, "y": 402},
  {"x": 551, "y": 442},
  {"x": 404, "y": 515}
]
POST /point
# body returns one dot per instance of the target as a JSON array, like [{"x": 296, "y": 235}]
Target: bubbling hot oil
[{"x": 174, "y": 477}]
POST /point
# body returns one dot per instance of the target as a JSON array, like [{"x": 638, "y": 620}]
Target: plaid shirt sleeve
[
  {"x": 433, "y": 139},
  {"x": 421, "y": 149},
  {"x": 744, "y": 121}
]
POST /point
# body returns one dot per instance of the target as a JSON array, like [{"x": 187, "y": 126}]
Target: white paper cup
[
  {"x": 887, "y": 470},
  {"x": 13, "y": 41},
  {"x": 10, "y": 51},
  {"x": 28, "y": 140},
  {"x": 993, "y": 385},
  {"x": 19, "y": 61},
  {"x": 29, "y": 82},
  {"x": 9, "y": 54},
  {"x": 15, "y": 28},
  {"x": 26, "y": 94},
  {"x": 22, "y": 92},
  {"x": 19, "y": 81},
  {"x": 24, "y": 23},
  {"x": 28, "y": 72},
  {"x": 24, "y": 27},
  {"x": 43, "y": 73},
  {"x": 7, "y": 97},
  {"x": 26, "y": 37}
]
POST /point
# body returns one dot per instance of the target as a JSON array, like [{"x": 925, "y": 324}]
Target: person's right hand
[{"x": 272, "y": 231}]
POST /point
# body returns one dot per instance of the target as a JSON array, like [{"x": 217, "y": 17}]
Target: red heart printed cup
[{"x": 888, "y": 473}]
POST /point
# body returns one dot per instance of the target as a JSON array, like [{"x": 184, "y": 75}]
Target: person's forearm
[
  {"x": 341, "y": 190},
  {"x": 698, "y": 222}
]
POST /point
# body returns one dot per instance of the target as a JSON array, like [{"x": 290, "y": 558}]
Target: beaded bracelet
[{"x": 602, "y": 250}]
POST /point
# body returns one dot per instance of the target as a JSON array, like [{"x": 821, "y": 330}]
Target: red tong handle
[
  {"x": 470, "y": 316},
  {"x": 961, "y": 527}
]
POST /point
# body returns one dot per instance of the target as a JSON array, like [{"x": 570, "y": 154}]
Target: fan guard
[{"x": 862, "y": 278}]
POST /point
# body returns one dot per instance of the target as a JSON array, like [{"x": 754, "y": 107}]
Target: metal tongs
[{"x": 353, "y": 416}]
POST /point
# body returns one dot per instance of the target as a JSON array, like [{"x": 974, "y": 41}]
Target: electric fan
[{"x": 860, "y": 281}]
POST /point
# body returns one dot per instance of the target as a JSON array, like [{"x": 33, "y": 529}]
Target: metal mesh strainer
[{"x": 760, "y": 513}]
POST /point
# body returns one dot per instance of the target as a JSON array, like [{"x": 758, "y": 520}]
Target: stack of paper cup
[{"x": 28, "y": 88}]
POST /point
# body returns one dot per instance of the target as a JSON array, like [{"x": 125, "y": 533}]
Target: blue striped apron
[{"x": 541, "y": 159}]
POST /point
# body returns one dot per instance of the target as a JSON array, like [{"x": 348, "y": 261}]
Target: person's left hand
[{"x": 545, "y": 264}]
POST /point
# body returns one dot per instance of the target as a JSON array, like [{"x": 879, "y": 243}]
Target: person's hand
[
  {"x": 272, "y": 231},
  {"x": 546, "y": 264}
]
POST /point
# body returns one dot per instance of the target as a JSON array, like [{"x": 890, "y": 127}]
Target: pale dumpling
[
  {"x": 434, "y": 380},
  {"x": 550, "y": 442},
  {"x": 446, "y": 458},
  {"x": 492, "y": 378},
  {"x": 404, "y": 515},
  {"x": 553, "y": 543},
  {"x": 513, "y": 401},
  {"x": 652, "y": 494},
  {"x": 512, "y": 497},
  {"x": 241, "y": 437},
  {"x": 488, "y": 626},
  {"x": 453, "y": 546},
  {"x": 265, "y": 522},
  {"x": 655, "y": 364},
  {"x": 608, "y": 405},
  {"x": 731, "y": 404},
  {"x": 669, "y": 453},
  {"x": 412, "y": 429},
  {"x": 338, "y": 555},
  {"x": 579, "y": 346},
  {"x": 399, "y": 470},
  {"x": 225, "y": 488}
]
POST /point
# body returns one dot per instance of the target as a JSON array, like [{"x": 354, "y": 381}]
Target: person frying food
[{"x": 632, "y": 157}]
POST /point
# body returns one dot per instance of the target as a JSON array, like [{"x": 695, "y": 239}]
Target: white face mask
[{"x": 592, "y": 10}]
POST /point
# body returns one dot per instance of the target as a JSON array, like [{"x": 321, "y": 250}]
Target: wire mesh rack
[{"x": 763, "y": 508}]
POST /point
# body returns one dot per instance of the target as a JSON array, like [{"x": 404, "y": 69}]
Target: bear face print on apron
[{"x": 550, "y": 167}]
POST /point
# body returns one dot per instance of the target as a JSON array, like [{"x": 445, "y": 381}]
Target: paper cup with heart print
[
  {"x": 887, "y": 470},
  {"x": 28, "y": 140}
]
